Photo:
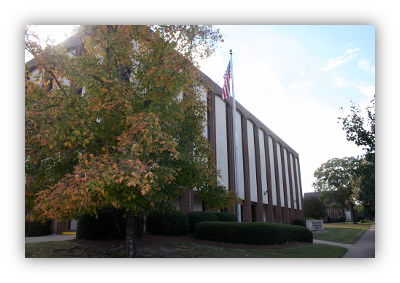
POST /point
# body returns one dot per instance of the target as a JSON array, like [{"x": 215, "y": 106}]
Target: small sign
[{"x": 315, "y": 225}]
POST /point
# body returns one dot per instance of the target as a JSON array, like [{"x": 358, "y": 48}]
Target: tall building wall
[{"x": 269, "y": 169}]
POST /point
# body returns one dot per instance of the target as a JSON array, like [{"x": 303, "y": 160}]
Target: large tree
[
  {"x": 334, "y": 182},
  {"x": 314, "y": 208},
  {"x": 120, "y": 125},
  {"x": 360, "y": 128}
]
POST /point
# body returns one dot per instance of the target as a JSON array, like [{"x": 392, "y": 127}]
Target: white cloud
[
  {"x": 294, "y": 86},
  {"x": 299, "y": 86},
  {"x": 368, "y": 91},
  {"x": 307, "y": 86},
  {"x": 364, "y": 64},
  {"x": 340, "y": 82},
  {"x": 354, "y": 50},
  {"x": 333, "y": 63},
  {"x": 295, "y": 44},
  {"x": 301, "y": 73}
]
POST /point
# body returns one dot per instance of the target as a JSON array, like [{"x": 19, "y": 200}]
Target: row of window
[
  {"x": 287, "y": 165},
  {"x": 337, "y": 212}
]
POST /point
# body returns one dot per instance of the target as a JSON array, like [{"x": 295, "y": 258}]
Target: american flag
[{"x": 226, "y": 90}]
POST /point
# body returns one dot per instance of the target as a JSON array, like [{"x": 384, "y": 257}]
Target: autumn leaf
[{"x": 115, "y": 133}]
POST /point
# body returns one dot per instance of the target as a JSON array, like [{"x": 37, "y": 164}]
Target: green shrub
[
  {"x": 174, "y": 223},
  {"x": 341, "y": 219},
  {"x": 195, "y": 217},
  {"x": 36, "y": 228},
  {"x": 255, "y": 233},
  {"x": 300, "y": 222},
  {"x": 226, "y": 217},
  {"x": 110, "y": 224},
  {"x": 359, "y": 217}
]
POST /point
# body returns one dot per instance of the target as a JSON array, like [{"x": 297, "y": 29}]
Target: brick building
[
  {"x": 270, "y": 180},
  {"x": 333, "y": 213}
]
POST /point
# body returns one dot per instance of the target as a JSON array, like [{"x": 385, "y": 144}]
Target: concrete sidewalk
[
  {"x": 364, "y": 247},
  {"x": 49, "y": 238},
  {"x": 347, "y": 246}
]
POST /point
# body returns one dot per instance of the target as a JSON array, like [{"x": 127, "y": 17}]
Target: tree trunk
[
  {"x": 131, "y": 235},
  {"x": 353, "y": 214}
]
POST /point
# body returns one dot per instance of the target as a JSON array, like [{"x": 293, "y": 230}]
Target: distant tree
[
  {"x": 361, "y": 131},
  {"x": 364, "y": 189},
  {"x": 314, "y": 208},
  {"x": 334, "y": 182}
]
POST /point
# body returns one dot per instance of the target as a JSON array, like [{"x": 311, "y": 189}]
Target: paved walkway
[
  {"x": 49, "y": 238},
  {"x": 363, "y": 248},
  {"x": 347, "y": 246}
]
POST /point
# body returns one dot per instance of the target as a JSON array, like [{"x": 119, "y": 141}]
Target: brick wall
[{"x": 59, "y": 226}]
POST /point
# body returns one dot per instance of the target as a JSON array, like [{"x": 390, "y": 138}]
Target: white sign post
[{"x": 315, "y": 225}]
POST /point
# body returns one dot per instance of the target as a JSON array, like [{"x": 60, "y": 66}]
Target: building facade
[
  {"x": 333, "y": 213},
  {"x": 270, "y": 179}
]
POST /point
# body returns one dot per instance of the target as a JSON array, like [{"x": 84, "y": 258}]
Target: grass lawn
[
  {"x": 336, "y": 232},
  {"x": 347, "y": 233},
  {"x": 65, "y": 249},
  {"x": 192, "y": 250}
]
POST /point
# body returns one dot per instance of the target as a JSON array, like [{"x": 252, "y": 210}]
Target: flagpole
[{"x": 239, "y": 213}]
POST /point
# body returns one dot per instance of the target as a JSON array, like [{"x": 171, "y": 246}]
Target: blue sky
[{"x": 295, "y": 79}]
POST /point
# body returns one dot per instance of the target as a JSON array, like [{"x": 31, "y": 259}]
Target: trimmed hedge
[
  {"x": 300, "y": 222},
  {"x": 341, "y": 219},
  {"x": 36, "y": 228},
  {"x": 167, "y": 224},
  {"x": 226, "y": 217},
  {"x": 110, "y": 224},
  {"x": 255, "y": 233},
  {"x": 195, "y": 217}
]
